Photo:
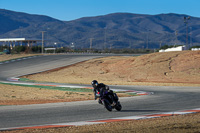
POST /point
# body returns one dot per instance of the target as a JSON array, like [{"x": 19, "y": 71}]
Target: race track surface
[{"x": 164, "y": 99}]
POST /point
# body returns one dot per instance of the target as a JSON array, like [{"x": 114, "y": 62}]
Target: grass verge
[
  {"x": 53, "y": 87},
  {"x": 10, "y": 57},
  {"x": 19, "y": 94}
]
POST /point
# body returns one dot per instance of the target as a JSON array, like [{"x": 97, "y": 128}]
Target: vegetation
[
  {"x": 195, "y": 47},
  {"x": 38, "y": 49}
]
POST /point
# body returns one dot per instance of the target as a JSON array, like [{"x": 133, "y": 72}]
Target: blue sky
[{"x": 74, "y": 9}]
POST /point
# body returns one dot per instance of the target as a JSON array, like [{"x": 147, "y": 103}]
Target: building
[
  {"x": 12, "y": 42},
  {"x": 19, "y": 41},
  {"x": 179, "y": 48}
]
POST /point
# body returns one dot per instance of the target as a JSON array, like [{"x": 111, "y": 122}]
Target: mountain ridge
[{"x": 115, "y": 30}]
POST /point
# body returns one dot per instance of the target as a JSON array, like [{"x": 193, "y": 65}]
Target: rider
[{"x": 100, "y": 88}]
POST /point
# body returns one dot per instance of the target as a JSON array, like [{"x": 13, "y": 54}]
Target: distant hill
[{"x": 117, "y": 30}]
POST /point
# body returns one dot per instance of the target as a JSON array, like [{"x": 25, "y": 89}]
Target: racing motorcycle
[{"x": 110, "y": 100}]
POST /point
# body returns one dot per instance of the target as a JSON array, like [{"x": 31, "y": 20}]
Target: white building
[
  {"x": 195, "y": 49},
  {"x": 179, "y": 48}
]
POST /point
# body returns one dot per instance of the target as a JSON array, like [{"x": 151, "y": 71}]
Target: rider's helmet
[{"x": 94, "y": 83}]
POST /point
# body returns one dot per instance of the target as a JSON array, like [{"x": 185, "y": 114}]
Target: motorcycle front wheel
[{"x": 107, "y": 105}]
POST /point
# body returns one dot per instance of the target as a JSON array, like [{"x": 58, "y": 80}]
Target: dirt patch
[{"x": 175, "y": 68}]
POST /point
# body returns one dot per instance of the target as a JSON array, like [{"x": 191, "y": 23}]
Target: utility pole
[
  {"x": 148, "y": 39},
  {"x": 176, "y": 34},
  {"x": 43, "y": 41},
  {"x": 91, "y": 43},
  {"x": 186, "y": 23},
  {"x": 105, "y": 38},
  {"x": 110, "y": 46},
  {"x": 160, "y": 44},
  {"x": 191, "y": 36}
]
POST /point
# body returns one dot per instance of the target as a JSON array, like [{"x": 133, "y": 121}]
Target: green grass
[
  {"x": 53, "y": 88},
  {"x": 62, "y": 88},
  {"x": 58, "y": 88},
  {"x": 26, "y": 80}
]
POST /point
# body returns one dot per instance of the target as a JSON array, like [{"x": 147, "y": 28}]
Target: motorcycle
[{"x": 110, "y": 100}]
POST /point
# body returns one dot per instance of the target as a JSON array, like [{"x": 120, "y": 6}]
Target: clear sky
[{"x": 74, "y": 9}]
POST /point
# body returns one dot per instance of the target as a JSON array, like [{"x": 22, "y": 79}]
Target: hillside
[
  {"x": 117, "y": 30},
  {"x": 172, "y": 67}
]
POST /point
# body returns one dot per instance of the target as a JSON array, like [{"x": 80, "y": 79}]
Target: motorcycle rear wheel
[{"x": 118, "y": 106}]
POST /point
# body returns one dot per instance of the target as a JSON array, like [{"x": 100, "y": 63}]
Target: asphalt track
[{"x": 164, "y": 99}]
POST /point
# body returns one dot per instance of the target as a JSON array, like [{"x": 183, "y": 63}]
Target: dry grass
[
  {"x": 5, "y": 57},
  {"x": 174, "y": 68},
  {"x": 19, "y": 95}
]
